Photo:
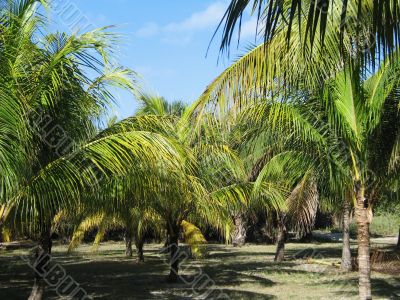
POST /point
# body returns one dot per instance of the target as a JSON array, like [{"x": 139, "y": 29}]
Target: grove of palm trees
[{"x": 279, "y": 181}]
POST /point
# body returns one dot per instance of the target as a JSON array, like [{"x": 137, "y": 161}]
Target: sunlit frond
[
  {"x": 303, "y": 204},
  {"x": 194, "y": 238}
]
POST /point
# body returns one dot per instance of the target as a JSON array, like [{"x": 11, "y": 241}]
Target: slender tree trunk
[
  {"x": 139, "y": 249},
  {"x": 239, "y": 234},
  {"x": 128, "y": 240},
  {"x": 165, "y": 249},
  {"x": 280, "y": 241},
  {"x": 174, "y": 252},
  {"x": 128, "y": 246},
  {"x": 364, "y": 264},
  {"x": 42, "y": 258},
  {"x": 398, "y": 240},
  {"x": 346, "y": 252}
]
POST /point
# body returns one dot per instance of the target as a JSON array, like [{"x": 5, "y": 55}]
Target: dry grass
[{"x": 241, "y": 273}]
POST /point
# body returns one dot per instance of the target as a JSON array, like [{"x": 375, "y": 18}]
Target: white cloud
[
  {"x": 150, "y": 29},
  {"x": 207, "y": 18},
  {"x": 182, "y": 31},
  {"x": 177, "y": 39}
]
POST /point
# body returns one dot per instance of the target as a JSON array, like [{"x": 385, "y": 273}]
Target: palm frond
[
  {"x": 194, "y": 238},
  {"x": 317, "y": 15},
  {"x": 90, "y": 222},
  {"x": 63, "y": 181},
  {"x": 303, "y": 205}
]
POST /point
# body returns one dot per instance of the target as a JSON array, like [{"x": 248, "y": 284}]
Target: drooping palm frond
[
  {"x": 5, "y": 223},
  {"x": 19, "y": 21},
  {"x": 218, "y": 165},
  {"x": 164, "y": 125},
  {"x": 100, "y": 222},
  {"x": 287, "y": 63},
  {"x": 303, "y": 204},
  {"x": 272, "y": 69},
  {"x": 75, "y": 56},
  {"x": 63, "y": 181},
  {"x": 383, "y": 22},
  {"x": 14, "y": 136},
  {"x": 269, "y": 196},
  {"x": 194, "y": 238},
  {"x": 394, "y": 162},
  {"x": 89, "y": 223},
  {"x": 135, "y": 217},
  {"x": 4, "y": 211}
]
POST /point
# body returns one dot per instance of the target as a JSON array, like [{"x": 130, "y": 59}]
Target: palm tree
[
  {"x": 215, "y": 175},
  {"x": 279, "y": 158},
  {"x": 182, "y": 204},
  {"x": 118, "y": 205},
  {"x": 50, "y": 105},
  {"x": 368, "y": 122},
  {"x": 360, "y": 113},
  {"x": 357, "y": 108}
]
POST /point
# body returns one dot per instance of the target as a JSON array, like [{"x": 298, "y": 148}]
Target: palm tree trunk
[
  {"x": 139, "y": 249},
  {"x": 346, "y": 252},
  {"x": 42, "y": 257},
  {"x": 364, "y": 264},
  {"x": 128, "y": 247},
  {"x": 173, "y": 232},
  {"x": 128, "y": 243},
  {"x": 239, "y": 234},
  {"x": 281, "y": 239}
]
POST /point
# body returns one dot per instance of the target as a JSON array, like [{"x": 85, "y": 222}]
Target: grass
[
  {"x": 385, "y": 225},
  {"x": 241, "y": 273}
]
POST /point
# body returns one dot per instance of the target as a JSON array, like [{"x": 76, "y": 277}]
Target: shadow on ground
[{"x": 238, "y": 273}]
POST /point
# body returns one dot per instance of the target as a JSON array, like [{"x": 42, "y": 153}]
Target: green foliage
[
  {"x": 265, "y": 137},
  {"x": 368, "y": 19}
]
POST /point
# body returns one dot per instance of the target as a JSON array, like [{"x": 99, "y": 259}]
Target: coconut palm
[
  {"x": 177, "y": 209},
  {"x": 215, "y": 187},
  {"x": 360, "y": 113},
  {"x": 57, "y": 156},
  {"x": 363, "y": 105},
  {"x": 72, "y": 176},
  {"x": 369, "y": 124},
  {"x": 276, "y": 155}
]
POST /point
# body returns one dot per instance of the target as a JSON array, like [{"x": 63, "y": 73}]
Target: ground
[{"x": 235, "y": 273}]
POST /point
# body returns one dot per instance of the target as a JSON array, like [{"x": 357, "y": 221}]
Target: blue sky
[{"x": 164, "y": 41}]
